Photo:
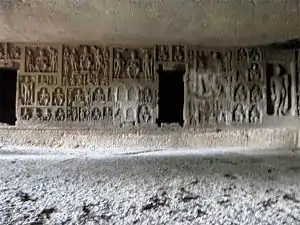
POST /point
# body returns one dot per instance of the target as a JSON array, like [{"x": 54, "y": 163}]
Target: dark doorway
[
  {"x": 171, "y": 97},
  {"x": 8, "y": 82}
]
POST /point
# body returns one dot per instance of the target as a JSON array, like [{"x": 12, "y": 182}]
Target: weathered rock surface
[
  {"x": 149, "y": 190},
  {"x": 216, "y": 22}
]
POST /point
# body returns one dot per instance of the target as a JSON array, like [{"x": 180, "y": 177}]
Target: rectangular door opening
[
  {"x": 171, "y": 97},
  {"x": 8, "y": 83}
]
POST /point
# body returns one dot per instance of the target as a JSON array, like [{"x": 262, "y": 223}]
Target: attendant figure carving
[
  {"x": 279, "y": 84},
  {"x": 85, "y": 61},
  {"x": 73, "y": 60},
  {"x": 144, "y": 115},
  {"x": 53, "y": 60},
  {"x": 87, "y": 97},
  {"x": 256, "y": 94},
  {"x": 118, "y": 65},
  {"x": 60, "y": 115},
  {"x": 74, "y": 114},
  {"x": 242, "y": 55},
  {"x": 27, "y": 91},
  {"x": 46, "y": 115},
  {"x": 254, "y": 115},
  {"x": 98, "y": 59},
  {"x": 241, "y": 93},
  {"x": 228, "y": 61},
  {"x": 105, "y": 68},
  {"x": 96, "y": 114},
  {"x": 99, "y": 96},
  {"x": 108, "y": 113},
  {"x": 179, "y": 54},
  {"x": 163, "y": 54},
  {"x": 27, "y": 114},
  {"x": 78, "y": 98},
  {"x": 58, "y": 97},
  {"x": 200, "y": 61},
  {"x": 239, "y": 114},
  {"x": 148, "y": 66},
  {"x": 133, "y": 66},
  {"x": 254, "y": 73},
  {"x": 44, "y": 97},
  {"x": 29, "y": 61},
  {"x": 41, "y": 61},
  {"x": 82, "y": 114},
  {"x": 66, "y": 68}
]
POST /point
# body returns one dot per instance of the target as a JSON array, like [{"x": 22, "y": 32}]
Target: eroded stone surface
[
  {"x": 216, "y": 22},
  {"x": 150, "y": 190}
]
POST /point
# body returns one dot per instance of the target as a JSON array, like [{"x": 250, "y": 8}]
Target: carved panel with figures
[
  {"x": 118, "y": 86},
  {"x": 133, "y": 63},
  {"x": 41, "y": 59},
  {"x": 85, "y": 65}
]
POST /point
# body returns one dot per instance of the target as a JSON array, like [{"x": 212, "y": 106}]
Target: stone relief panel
[
  {"x": 41, "y": 59},
  {"x": 208, "y": 86},
  {"x": 163, "y": 53},
  {"x": 113, "y": 86},
  {"x": 248, "y": 92},
  {"x": 226, "y": 87},
  {"x": 85, "y": 65},
  {"x": 133, "y": 64},
  {"x": 130, "y": 98}
]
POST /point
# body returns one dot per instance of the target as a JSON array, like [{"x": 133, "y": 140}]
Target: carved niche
[
  {"x": 248, "y": 83},
  {"x": 209, "y": 88},
  {"x": 133, "y": 63},
  {"x": 162, "y": 53},
  {"x": 41, "y": 59},
  {"x": 85, "y": 65}
]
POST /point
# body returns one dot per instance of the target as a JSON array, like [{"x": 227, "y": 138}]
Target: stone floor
[{"x": 149, "y": 189}]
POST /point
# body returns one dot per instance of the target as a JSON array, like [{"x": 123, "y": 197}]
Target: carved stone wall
[{"x": 117, "y": 86}]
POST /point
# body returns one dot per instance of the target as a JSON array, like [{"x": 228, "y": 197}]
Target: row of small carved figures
[
  {"x": 84, "y": 114},
  {"x": 78, "y": 96},
  {"x": 239, "y": 115}
]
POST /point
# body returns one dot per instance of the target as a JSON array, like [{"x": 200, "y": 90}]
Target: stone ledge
[{"x": 101, "y": 142}]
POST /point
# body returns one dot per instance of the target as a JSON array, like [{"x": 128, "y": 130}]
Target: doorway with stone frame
[{"x": 171, "y": 97}]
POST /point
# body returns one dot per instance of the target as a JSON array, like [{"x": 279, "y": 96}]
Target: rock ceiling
[{"x": 205, "y": 22}]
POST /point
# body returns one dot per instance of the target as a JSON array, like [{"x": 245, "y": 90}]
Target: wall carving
[{"x": 117, "y": 86}]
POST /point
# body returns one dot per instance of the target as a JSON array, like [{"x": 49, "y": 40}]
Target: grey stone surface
[
  {"x": 191, "y": 189},
  {"x": 116, "y": 142},
  {"x": 216, "y": 22}
]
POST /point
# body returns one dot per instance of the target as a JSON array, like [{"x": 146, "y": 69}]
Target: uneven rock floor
[{"x": 186, "y": 189}]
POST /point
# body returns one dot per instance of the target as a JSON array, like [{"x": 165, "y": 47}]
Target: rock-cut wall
[{"x": 117, "y": 86}]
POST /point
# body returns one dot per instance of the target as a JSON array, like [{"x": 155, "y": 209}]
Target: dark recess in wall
[
  {"x": 171, "y": 97},
  {"x": 8, "y": 82}
]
